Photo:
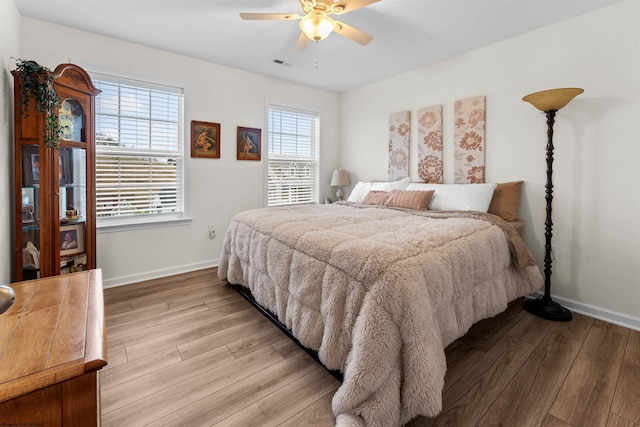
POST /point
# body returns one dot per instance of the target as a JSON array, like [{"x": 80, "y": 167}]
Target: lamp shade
[
  {"x": 316, "y": 26},
  {"x": 552, "y": 99},
  {"x": 339, "y": 177}
]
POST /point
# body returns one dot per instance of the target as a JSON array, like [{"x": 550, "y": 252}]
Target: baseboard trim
[
  {"x": 596, "y": 312},
  {"x": 157, "y": 274}
]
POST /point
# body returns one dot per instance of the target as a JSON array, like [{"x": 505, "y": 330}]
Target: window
[
  {"x": 292, "y": 155},
  {"x": 139, "y": 152}
]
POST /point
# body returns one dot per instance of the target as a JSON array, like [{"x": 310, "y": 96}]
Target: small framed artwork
[
  {"x": 65, "y": 161},
  {"x": 30, "y": 166},
  {"x": 205, "y": 139},
  {"x": 71, "y": 239},
  {"x": 249, "y": 143}
]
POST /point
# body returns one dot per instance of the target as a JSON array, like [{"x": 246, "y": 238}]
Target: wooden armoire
[{"x": 54, "y": 195}]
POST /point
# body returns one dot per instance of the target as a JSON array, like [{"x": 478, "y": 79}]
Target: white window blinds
[
  {"x": 139, "y": 149},
  {"x": 292, "y": 140}
]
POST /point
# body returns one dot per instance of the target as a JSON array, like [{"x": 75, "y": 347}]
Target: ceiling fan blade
[
  {"x": 270, "y": 16},
  {"x": 302, "y": 42},
  {"x": 345, "y": 6},
  {"x": 352, "y": 33}
]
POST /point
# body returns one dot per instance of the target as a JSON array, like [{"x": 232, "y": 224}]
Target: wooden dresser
[{"x": 52, "y": 345}]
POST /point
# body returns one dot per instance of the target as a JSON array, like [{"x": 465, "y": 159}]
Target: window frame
[
  {"x": 292, "y": 107},
  {"x": 183, "y": 217}
]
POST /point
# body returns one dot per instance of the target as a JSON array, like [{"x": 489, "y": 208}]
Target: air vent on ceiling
[{"x": 282, "y": 62}]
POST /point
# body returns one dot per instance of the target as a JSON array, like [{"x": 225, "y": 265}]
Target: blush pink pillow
[
  {"x": 410, "y": 199},
  {"x": 376, "y": 198}
]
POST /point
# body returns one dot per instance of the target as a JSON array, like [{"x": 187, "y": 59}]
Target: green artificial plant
[{"x": 37, "y": 84}]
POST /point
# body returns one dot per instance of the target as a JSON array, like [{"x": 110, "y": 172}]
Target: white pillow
[
  {"x": 361, "y": 189},
  {"x": 458, "y": 197}
]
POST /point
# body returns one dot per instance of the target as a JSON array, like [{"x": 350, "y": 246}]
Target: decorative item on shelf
[
  {"x": 28, "y": 217},
  {"x": 30, "y": 256},
  {"x": 339, "y": 178},
  {"x": 71, "y": 239},
  {"x": 549, "y": 101},
  {"x": 37, "y": 84},
  {"x": 65, "y": 168},
  {"x": 73, "y": 263},
  {"x": 72, "y": 214},
  {"x": 30, "y": 166}
]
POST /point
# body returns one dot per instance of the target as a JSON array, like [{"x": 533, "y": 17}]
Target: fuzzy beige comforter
[{"x": 378, "y": 292}]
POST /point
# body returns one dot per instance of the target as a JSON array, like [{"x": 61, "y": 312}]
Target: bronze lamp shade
[{"x": 552, "y": 99}]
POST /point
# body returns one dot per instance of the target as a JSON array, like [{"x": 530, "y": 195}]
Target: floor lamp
[{"x": 549, "y": 101}]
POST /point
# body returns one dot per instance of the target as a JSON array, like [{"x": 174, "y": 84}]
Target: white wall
[
  {"x": 9, "y": 47},
  {"x": 596, "y": 207},
  {"x": 218, "y": 187}
]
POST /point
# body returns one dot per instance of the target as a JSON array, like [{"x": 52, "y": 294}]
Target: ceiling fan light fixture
[{"x": 317, "y": 26}]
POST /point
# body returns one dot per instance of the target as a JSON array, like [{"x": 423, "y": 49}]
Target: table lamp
[{"x": 339, "y": 178}]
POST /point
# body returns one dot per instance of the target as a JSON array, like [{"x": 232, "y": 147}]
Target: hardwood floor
[{"x": 187, "y": 350}]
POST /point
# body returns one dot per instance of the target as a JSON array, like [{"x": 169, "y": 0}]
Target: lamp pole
[{"x": 548, "y": 223}]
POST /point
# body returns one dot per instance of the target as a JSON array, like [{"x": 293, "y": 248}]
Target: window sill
[{"x": 127, "y": 225}]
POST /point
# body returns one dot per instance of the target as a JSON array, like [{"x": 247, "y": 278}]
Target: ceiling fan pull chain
[{"x": 315, "y": 55}]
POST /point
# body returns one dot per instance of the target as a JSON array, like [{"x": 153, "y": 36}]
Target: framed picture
[
  {"x": 249, "y": 143},
  {"x": 65, "y": 162},
  {"x": 71, "y": 239},
  {"x": 30, "y": 166},
  {"x": 205, "y": 139}
]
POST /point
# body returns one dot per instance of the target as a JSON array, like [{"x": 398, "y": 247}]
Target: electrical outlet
[
  {"x": 553, "y": 252},
  {"x": 212, "y": 231}
]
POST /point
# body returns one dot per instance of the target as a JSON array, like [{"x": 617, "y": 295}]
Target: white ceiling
[{"x": 408, "y": 34}]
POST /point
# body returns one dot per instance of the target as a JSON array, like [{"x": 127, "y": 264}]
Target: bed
[{"x": 378, "y": 291}]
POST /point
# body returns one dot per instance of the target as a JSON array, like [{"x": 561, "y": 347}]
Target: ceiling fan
[{"x": 316, "y": 23}]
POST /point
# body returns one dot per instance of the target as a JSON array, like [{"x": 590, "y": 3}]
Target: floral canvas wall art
[
  {"x": 399, "y": 133},
  {"x": 430, "y": 144},
  {"x": 469, "y": 140}
]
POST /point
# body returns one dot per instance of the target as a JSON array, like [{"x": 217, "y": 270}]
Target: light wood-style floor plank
[
  {"x": 617, "y": 421},
  {"x": 586, "y": 396},
  {"x": 318, "y": 414},
  {"x": 535, "y": 386},
  {"x": 172, "y": 398},
  {"x": 629, "y": 384},
  {"x": 236, "y": 398},
  {"x": 188, "y": 350},
  {"x": 485, "y": 380},
  {"x": 284, "y": 402}
]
